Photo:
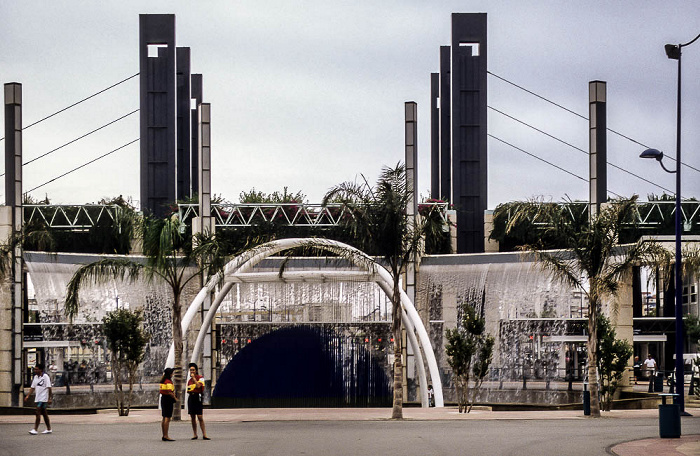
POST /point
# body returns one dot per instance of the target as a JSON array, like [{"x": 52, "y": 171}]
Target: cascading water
[
  {"x": 349, "y": 321},
  {"x": 77, "y": 348},
  {"x": 527, "y": 311}
]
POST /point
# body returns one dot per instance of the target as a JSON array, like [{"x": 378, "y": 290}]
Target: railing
[
  {"x": 83, "y": 217},
  {"x": 295, "y": 214},
  {"x": 651, "y": 214},
  {"x": 70, "y": 217},
  {"x": 529, "y": 373},
  {"x": 291, "y": 214}
]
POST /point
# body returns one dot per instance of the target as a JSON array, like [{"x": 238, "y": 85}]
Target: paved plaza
[{"x": 243, "y": 432}]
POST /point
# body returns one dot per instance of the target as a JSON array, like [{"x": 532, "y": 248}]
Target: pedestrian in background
[
  {"x": 650, "y": 366},
  {"x": 41, "y": 385}
]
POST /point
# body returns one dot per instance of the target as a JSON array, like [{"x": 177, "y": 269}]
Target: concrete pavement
[{"x": 357, "y": 431}]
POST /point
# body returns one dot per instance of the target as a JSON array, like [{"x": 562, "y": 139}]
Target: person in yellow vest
[
  {"x": 167, "y": 401},
  {"x": 195, "y": 390}
]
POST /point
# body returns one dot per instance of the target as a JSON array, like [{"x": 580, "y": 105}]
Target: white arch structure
[{"x": 237, "y": 269}]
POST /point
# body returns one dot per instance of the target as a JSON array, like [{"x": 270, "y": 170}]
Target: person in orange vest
[
  {"x": 195, "y": 391},
  {"x": 167, "y": 401}
]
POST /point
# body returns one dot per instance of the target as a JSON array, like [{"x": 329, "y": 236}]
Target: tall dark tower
[
  {"x": 463, "y": 128},
  {"x": 184, "y": 127},
  {"x": 435, "y": 136},
  {"x": 197, "y": 96},
  {"x": 158, "y": 122},
  {"x": 445, "y": 122},
  {"x": 469, "y": 172}
]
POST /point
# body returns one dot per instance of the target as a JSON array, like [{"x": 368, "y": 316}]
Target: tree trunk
[
  {"x": 177, "y": 342},
  {"x": 592, "y": 346},
  {"x": 116, "y": 378},
  {"x": 132, "y": 377},
  {"x": 475, "y": 392},
  {"x": 397, "y": 408}
]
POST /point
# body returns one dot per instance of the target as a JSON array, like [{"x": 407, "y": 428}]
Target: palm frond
[
  {"x": 559, "y": 264},
  {"x": 99, "y": 272},
  {"x": 691, "y": 260}
]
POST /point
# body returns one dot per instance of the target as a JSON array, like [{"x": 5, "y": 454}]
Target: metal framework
[
  {"x": 83, "y": 217},
  {"x": 650, "y": 214},
  {"x": 70, "y": 217},
  {"x": 240, "y": 266},
  {"x": 293, "y": 214}
]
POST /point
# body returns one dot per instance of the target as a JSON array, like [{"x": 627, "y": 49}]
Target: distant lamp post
[
  {"x": 658, "y": 155},
  {"x": 673, "y": 51}
]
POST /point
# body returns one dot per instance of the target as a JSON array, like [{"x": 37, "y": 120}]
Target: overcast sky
[{"x": 309, "y": 94}]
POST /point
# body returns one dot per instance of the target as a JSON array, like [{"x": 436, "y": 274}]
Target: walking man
[
  {"x": 650, "y": 365},
  {"x": 41, "y": 385}
]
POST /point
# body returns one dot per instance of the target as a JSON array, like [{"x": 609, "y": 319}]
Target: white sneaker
[
  {"x": 48, "y": 431},
  {"x": 33, "y": 432}
]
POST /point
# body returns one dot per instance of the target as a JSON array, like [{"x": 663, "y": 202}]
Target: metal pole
[{"x": 679, "y": 277}]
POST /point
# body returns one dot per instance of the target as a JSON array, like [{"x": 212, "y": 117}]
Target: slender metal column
[
  {"x": 680, "y": 379},
  {"x": 411, "y": 152},
  {"x": 597, "y": 125},
  {"x": 411, "y": 144},
  {"x": 13, "y": 199},
  {"x": 205, "y": 219}
]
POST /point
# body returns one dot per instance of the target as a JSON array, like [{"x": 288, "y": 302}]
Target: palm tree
[
  {"x": 592, "y": 260},
  {"x": 381, "y": 226},
  {"x": 171, "y": 257}
]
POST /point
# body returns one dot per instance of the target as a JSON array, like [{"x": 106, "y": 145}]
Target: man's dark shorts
[{"x": 41, "y": 405}]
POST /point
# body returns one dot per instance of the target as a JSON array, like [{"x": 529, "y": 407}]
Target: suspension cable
[
  {"x": 82, "y": 166},
  {"x": 579, "y": 149},
  {"x": 76, "y": 139},
  {"x": 546, "y": 161},
  {"x": 78, "y": 102},
  {"x": 581, "y": 116}
]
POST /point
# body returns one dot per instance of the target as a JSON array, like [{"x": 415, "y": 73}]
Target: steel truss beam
[
  {"x": 70, "y": 217},
  {"x": 293, "y": 214},
  {"x": 648, "y": 214}
]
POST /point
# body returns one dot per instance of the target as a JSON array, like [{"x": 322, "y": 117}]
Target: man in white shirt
[
  {"x": 650, "y": 365},
  {"x": 41, "y": 384}
]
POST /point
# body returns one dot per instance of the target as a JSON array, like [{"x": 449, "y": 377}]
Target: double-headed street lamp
[{"x": 673, "y": 51}]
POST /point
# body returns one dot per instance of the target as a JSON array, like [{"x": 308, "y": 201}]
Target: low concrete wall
[{"x": 103, "y": 399}]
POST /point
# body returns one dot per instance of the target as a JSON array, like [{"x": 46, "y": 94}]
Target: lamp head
[
  {"x": 652, "y": 153},
  {"x": 673, "y": 51}
]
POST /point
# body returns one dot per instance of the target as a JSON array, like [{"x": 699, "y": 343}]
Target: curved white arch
[{"x": 245, "y": 261}]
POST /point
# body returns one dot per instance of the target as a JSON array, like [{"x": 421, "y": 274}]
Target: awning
[
  {"x": 650, "y": 338},
  {"x": 51, "y": 344}
]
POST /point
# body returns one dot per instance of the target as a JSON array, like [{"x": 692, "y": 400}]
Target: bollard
[
  {"x": 586, "y": 400},
  {"x": 659, "y": 382}
]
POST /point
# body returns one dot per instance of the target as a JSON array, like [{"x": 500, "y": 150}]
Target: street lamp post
[{"x": 673, "y": 52}]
